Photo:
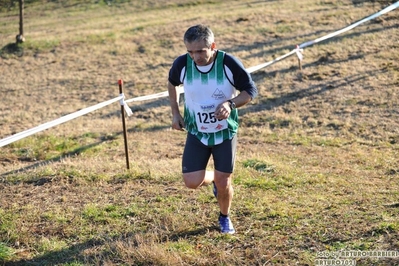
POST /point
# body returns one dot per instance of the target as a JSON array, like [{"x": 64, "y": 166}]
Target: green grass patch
[
  {"x": 8, "y": 227},
  {"x": 38, "y": 46},
  {"x": 98, "y": 39},
  {"x": 258, "y": 165},
  {"x": 5, "y": 252},
  {"x": 45, "y": 147}
]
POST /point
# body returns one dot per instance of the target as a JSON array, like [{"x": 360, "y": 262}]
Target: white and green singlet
[{"x": 205, "y": 88}]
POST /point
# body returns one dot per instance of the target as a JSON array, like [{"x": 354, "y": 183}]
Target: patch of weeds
[
  {"x": 334, "y": 142},
  {"x": 70, "y": 172},
  {"x": 91, "y": 135},
  {"x": 283, "y": 28},
  {"x": 5, "y": 252},
  {"x": 51, "y": 244},
  {"x": 108, "y": 214},
  {"x": 99, "y": 38},
  {"x": 300, "y": 140},
  {"x": 109, "y": 137},
  {"x": 307, "y": 256},
  {"x": 94, "y": 213},
  {"x": 182, "y": 247},
  {"x": 195, "y": 3},
  {"x": 74, "y": 264},
  {"x": 51, "y": 216},
  {"x": 29, "y": 177},
  {"x": 226, "y": 238},
  {"x": 8, "y": 229},
  {"x": 279, "y": 123},
  {"x": 40, "y": 45},
  {"x": 134, "y": 30},
  {"x": 338, "y": 245},
  {"x": 258, "y": 165},
  {"x": 386, "y": 228},
  {"x": 272, "y": 214},
  {"x": 267, "y": 183},
  {"x": 364, "y": 245},
  {"x": 44, "y": 147},
  {"x": 131, "y": 175}
]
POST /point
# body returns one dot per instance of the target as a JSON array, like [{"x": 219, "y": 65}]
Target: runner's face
[{"x": 200, "y": 53}]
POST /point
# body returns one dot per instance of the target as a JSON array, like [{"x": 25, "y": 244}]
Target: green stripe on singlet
[
  {"x": 219, "y": 68},
  {"x": 189, "y": 71},
  {"x": 226, "y": 134},
  {"x": 211, "y": 139}
]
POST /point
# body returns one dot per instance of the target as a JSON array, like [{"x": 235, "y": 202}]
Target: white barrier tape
[
  {"x": 385, "y": 10},
  {"x": 121, "y": 101},
  {"x": 148, "y": 97},
  {"x": 124, "y": 104},
  {"x": 127, "y": 109},
  {"x": 179, "y": 91},
  {"x": 298, "y": 51},
  {"x": 256, "y": 68},
  {"x": 58, "y": 121}
]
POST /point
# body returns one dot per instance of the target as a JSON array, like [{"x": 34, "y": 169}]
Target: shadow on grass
[
  {"x": 80, "y": 150},
  {"x": 55, "y": 159},
  {"x": 264, "y": 104},
  {"x": 271, "y": 103},
  {"x": 142, "y": 107},
  {"x": 76, "y": 254},
  {"x": 73, "y": 254},
  {"x": 304, "y": 38},
  {"x": 11, "y": 49}
]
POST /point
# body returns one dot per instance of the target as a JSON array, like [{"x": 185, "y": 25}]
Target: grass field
[{"x": 318, "y": 157}]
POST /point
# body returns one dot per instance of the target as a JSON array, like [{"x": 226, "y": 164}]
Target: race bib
[{"x": 206, "y": 119}]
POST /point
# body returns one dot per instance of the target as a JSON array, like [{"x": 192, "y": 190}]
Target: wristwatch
[{"x": 232, "y": 104}]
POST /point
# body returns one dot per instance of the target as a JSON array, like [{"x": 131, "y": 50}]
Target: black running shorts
[{"x": 196, "y": 155}]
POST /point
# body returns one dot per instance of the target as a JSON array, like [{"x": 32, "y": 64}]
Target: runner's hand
[{"x": 223, "y": 111}]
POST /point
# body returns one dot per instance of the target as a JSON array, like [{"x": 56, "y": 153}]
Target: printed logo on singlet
[
  {"x": 219, "y": 127},
  {"x": 218, "y": 95},
  {"x": 208, "y": 107}
]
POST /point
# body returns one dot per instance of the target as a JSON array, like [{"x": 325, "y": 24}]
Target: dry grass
[{"x": 317, "y": 164}]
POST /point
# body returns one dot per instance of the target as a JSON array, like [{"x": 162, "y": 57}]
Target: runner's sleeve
[
  {"x": 176, "y": 70},
  {"x": 242, "y": 80}
]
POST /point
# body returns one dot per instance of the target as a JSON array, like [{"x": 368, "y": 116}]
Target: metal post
[
  {"x": 120, "y": 82},
  {"x": 20, "y": 37},
  {"x": 21, "y": 17}
]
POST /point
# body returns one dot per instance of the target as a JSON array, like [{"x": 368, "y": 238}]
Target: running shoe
[{"x": 226, "y": 226}]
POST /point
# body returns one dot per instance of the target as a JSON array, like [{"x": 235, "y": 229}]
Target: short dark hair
[{"x": 199, "y": 32}]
